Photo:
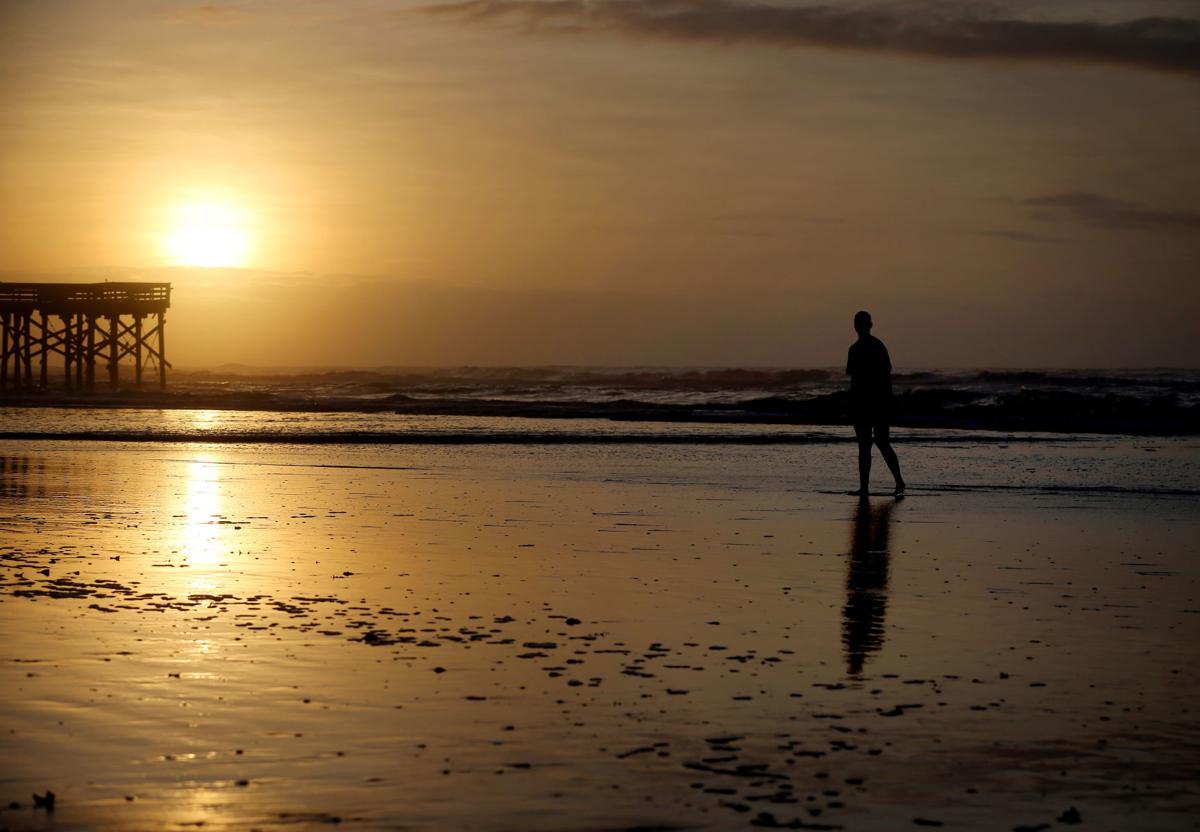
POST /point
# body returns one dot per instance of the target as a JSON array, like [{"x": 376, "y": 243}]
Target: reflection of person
[
  {"x": 866, "y": 584},
  {"x": 870, "y": 371}
]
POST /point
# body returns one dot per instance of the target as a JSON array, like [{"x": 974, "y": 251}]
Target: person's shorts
[
  {"x": 868, "y": 428},
  {"x": 871, "y": 417}
]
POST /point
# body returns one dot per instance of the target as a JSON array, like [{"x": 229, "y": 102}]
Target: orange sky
[{"x": 375, "y": 183}]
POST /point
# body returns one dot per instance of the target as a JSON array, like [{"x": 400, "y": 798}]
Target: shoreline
[
  {"x": 823, "y": 411},
  {"x": 418, "y": 437}
]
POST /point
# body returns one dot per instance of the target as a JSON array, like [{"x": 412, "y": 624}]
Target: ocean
[{"x": 568, "y": 404}]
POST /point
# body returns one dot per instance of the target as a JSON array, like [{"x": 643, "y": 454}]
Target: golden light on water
[{"x": 208, "y": 234}]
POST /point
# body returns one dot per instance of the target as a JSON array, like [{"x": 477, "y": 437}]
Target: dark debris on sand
[{"x": 810, "y": 778}]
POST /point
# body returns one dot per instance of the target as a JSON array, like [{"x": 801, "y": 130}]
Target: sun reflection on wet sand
[{"x": 201, "y": 540}]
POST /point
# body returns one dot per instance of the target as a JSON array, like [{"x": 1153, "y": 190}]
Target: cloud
[
  {"x": 1100, "y": 211},
  {"x": 932, "y": 31}
]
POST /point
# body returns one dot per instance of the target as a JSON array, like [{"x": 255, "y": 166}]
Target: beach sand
[{"x": 591, "y": 638}]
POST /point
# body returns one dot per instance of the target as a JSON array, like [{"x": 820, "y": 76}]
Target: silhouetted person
[
  {"x": 866, "y": 584},
  {"x": 870, "y": 371}
]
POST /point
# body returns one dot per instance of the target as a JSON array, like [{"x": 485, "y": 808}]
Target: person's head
[{"x": 862, "y": 322}]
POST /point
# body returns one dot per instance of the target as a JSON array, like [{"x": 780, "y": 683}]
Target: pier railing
[{"x": 83, "y": 294}]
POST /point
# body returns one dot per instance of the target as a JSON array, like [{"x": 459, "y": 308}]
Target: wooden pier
[{"x": 84, "y": 324}]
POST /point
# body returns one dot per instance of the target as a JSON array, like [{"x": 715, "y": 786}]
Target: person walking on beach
[{"x": 870, "y": 371}]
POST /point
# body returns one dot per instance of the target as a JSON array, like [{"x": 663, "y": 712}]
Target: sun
[{"x": 207, "y": 234}]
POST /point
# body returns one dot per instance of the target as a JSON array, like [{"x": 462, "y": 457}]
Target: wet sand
[{"x": 588, "y": 638}]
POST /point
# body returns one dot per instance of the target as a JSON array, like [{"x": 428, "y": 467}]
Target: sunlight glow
[{"x": 207, "y": 234}]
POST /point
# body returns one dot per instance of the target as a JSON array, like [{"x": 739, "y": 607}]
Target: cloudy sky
[{"x": 692, "y": 182}]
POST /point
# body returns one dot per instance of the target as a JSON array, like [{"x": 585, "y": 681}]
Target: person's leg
[
  {"x": 884, "y": 440},
  {"x": 863, "y": 433}
]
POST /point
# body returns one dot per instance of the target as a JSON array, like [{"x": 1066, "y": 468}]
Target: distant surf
[{"x": 1141, "y": 402}]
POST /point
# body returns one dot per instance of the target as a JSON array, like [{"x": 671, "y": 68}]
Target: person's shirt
[{"x": 870, "y": 369}]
